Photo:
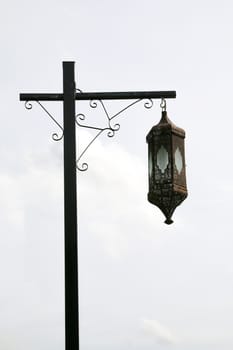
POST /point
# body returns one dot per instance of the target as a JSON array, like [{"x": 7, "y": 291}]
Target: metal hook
[{"x": 163, "y": 104}]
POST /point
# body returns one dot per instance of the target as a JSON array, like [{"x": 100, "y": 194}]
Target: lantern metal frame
[{"x": 166, "y": 160}]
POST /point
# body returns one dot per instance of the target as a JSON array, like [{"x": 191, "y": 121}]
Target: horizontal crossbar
[{"x": 127, "y": 95}]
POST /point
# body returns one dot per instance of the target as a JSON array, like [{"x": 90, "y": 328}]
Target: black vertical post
[{"x": 70, "y": 207}]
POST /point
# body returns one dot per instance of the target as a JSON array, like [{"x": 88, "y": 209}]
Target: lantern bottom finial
[{"x": 168, "y": 221}]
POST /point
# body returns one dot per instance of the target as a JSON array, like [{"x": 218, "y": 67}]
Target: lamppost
[{"x": 164, "y": 165}]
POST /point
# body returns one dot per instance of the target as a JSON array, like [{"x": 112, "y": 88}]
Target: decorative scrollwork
[
  {"x": 28, "y": 105},
  {"x": 111, "y": 129},
  {"x": 93, "y": 104},
  {"x": 82, "y": 167},
  {"x": 149, "y": 104},
  {"x": 55, "y": 135}
]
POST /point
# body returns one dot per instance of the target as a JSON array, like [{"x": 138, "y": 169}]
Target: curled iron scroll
[{"x": 28, "y": 105}]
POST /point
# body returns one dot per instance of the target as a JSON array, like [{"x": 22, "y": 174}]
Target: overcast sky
[{"x": 143, "y": 284}]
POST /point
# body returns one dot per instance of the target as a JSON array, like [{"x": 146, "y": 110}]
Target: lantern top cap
[
  {"x": 164, "y": 121},
  {"x": 166, "y": 124}
]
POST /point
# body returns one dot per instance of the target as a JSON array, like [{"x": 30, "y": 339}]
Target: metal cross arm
[{"x": 82, "y": 96}]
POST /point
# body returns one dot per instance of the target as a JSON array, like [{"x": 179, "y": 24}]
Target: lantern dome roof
[{"x": 165, "y": 125}]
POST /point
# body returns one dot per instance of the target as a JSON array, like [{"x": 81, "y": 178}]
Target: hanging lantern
[{"x": 167, "y": 181}]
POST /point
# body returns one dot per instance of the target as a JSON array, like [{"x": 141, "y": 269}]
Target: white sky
[{"x": 143, "y": 285}]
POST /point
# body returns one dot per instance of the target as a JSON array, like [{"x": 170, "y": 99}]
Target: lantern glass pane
[
  {"x": 178, "y": 160},
  {"x": 162, "y": 159},
  {"x": 150, "y": 164}
]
